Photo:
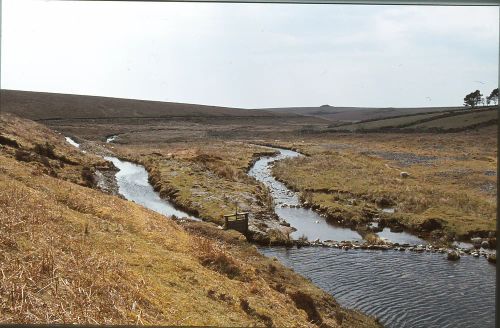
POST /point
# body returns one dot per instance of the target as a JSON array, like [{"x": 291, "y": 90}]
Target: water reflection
[{"x": 400, "y": 237}]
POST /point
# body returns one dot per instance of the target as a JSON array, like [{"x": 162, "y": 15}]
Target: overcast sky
[{"x": 251, "y": 55}]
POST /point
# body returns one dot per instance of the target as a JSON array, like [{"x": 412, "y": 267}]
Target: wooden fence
[{"x": 237, "y": 221}]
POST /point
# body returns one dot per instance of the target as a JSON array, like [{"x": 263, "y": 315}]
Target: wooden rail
[{"x": 237, "y": 221}]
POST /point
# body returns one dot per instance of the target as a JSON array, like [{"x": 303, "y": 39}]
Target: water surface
[
  {"x": 402, "y": 289},
  {"x": 72, "y": 142},
  {"x": 133, "y": 184},
  {"x": 307, "y": 222},
  {"x": 111, "y": 139},
  {"x": 401, "y": 237}
]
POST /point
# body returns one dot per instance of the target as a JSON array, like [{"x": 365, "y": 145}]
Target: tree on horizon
[
  {"x": 493, "y": 97},
  {"x": 473, "y": 99}
]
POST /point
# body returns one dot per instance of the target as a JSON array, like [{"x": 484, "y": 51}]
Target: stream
[
  {"x": 133, "y": 184},
  {"x": 308, "y": 223},
  {"x": 402, "y": 289}
]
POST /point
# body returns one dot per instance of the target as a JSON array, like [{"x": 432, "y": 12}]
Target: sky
[{"x": 251, "y": 55}]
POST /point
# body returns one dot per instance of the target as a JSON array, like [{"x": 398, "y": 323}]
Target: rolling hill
[
  {"x": 355, "y": 114},
  {"x": 449, "y": 121},
  {"x": 55, "y": 106}
]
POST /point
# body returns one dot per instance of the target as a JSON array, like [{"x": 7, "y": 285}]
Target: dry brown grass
[
  {"x": 349, "y": 176},
  {"x": 71, "y": 254},
  {"x": 50, "y": 270},
  {"x": 207, "y": 178},
  {"x": 215, "y": 256},
  {"x": 47, "y": 151}
]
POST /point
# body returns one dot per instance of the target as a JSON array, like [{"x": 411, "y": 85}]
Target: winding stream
[
  {"x": 133, "y": 184},
  {"x": 307, "y": 222},
  {"x": 402, "y": 289}
]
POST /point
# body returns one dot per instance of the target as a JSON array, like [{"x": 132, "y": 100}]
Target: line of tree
[{"x": 475, "y": 98}]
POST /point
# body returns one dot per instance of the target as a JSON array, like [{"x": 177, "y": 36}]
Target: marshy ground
[{"x": 450, "y": 191}]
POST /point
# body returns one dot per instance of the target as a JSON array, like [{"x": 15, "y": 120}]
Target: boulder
[
  {"x": 492, "y": 258},
  {"x": 453, "y": 256},
  {"x": 476, "y": 241},
  {"x": 259, "y": 237}
]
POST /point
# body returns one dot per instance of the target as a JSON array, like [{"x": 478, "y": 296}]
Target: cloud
[{"x": 251, "y": 55}]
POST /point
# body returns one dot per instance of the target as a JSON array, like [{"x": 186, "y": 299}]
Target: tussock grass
[
  {"x": 208, "y": 179},
  {"x": 71, "y": 254},
  {"x": 348, "y": 177},
  {"x": 47, "y": 151},
  {"x": 215, "y": 256}
]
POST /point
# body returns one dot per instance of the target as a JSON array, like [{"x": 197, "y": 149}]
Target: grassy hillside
[
  {"x": 49, "y": 106},
  {"x": 355, "y": 114},
  {"x": 72, "y": 254},
  {"x": 96, "y": 118},
  {"x": 386, "y": 123},
  {"x": 456, "y": 122},
  {"x": 450, "y": 121}
]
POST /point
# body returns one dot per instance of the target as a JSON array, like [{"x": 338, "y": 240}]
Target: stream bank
[{"x": 388, "y": 281}]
